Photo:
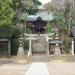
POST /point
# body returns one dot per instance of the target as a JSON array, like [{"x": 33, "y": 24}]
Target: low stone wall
[{"x": 39, "y": 46}]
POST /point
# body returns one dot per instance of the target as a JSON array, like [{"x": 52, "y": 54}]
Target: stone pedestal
[
  {"x": 57, "y": 50},
  {"x": 20, "y": 50}
]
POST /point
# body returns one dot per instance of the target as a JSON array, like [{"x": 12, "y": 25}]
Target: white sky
[{"x": 45, "y": 1}]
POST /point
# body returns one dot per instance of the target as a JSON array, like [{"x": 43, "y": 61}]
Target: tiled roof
[{"x": 44, "y": 16}]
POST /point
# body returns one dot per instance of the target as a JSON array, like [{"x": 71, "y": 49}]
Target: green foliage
[
  {"x": 26, "y": 45},
  {"x": 14, "y": 46},
  {"x": 34, "y": 9},
  {"x": 36, "y": 2},
  {"x": 6, "y": 15},
  {"x": 24, "y": 6},
  {"x": 7, "y": 27},
  {"x": 48, "y": 28},
  {"x": 28, "y": 30},
  {"x": 6, "y": 12}
]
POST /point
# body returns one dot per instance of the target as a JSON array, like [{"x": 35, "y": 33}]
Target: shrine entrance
[
  {"x": 38, "y": 44},
  {"x": 37, "y": 36}
]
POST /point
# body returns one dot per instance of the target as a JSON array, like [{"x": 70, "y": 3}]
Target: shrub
[
  {"x": 67, "y": 44},
  {"x": 15, "y": 41},
  {"x": 48, "y": 28},
  {"x": 26, "y": 45}
]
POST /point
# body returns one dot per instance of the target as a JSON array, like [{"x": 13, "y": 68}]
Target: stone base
[
  {"x": 20, "y": 51},
  {"x": 57, "y": 51}
]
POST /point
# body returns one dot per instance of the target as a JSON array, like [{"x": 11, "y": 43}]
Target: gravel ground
[
  {"x": 61, "y": 68},
  {"x": 12, "y": 69},
  {"x": 55, "y": 67}
]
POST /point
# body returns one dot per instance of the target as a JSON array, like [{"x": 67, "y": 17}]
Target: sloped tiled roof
[{"x": 44, "y": 16}]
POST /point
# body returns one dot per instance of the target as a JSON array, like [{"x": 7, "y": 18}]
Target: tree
[
  {"x": 65, "y": 19},
  {"x": 64, "y": 15},
  {"x": 25, "y": 6},
  {"x": 69, "y": 13},
  {"x": 34, "y": 8},
  {"x": 6, "y": 12},
  {"x": 22, "y": 8},
  {"x": 7, "y": 27}
]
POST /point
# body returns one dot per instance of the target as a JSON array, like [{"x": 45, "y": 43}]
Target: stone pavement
[{"x": 38, "y": 68}]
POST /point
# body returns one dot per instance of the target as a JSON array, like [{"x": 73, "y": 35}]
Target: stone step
[{"x": 40, "y": 58}]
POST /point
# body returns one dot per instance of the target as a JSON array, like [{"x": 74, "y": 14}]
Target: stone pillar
[
  {"x": 30, "y": 48},
  {"x": 47, "y": 51},
  {"x": 72, "y": 46},
  {"x": 9, "y": 48}
]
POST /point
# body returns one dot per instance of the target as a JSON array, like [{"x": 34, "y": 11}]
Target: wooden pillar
[
  {"x": 9, "y": 48},
  {"x": 72, "y": 46}
]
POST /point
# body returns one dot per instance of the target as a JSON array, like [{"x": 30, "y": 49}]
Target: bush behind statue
[{"x": 15, "y": 41}]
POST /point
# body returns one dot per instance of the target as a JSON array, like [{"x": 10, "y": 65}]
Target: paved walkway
[{"x": 39, "y": 68}]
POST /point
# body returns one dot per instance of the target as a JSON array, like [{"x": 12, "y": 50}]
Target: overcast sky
[{"x": 45, "y": 1}]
